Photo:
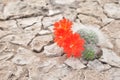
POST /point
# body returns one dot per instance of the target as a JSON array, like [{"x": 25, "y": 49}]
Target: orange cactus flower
[
  {"x": 60, "y": 36},
  {"x": 72, "y": 44},
  {"x": 64, "y": 24}
]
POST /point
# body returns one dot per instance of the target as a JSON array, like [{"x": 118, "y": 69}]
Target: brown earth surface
[{"x": 27, "y": 51}]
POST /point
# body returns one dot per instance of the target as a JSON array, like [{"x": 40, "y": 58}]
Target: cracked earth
[{"x": 27, "y": 50}]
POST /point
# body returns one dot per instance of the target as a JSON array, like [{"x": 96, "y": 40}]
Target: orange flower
[
  {"x": 72, "y": 44},
  {"x": 62, "y": 30},
  {"x": 60, "y": 36},
  {"x": 64, "y": 24}
]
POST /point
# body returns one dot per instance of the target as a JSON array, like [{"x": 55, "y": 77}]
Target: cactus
[
  {"x": 89, "y": 35},
  {"x": 89, "y": 54},
  {"x": 91, "y": 51}
]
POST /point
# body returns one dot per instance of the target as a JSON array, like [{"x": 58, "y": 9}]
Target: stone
[
  {"x": 114, "y": 74},
  {"x": 3, "y": 25},
  {"x": 117, "y": 43},
  {"x": 1, "y": 11},
  {"x": 21, "y": 73},
  {"x": 18, "y": 9},
  {"x": 34, "y": 73},
  {"x": 79, "y": 0},
  {"x": 10, "y": 71},
  {"x": 41, "y": 67},
  {"x": 7, "y": 38},
  {"x": 4, "y": 33},
  {"x": 48, "y": 21},
  {"x": 45, "y": 65},
  {"x": 12, "y": 7},
  {"x": 56, "y": 73},
  {"x": 74, "y": 75},
  {"x": 74, "y": 63},
  {"x": 98, "y": 52},
  {"x": 112, "y": 10},
  {"x": 47, "y": 69},
  {"x": 7, "y": 47},
  {"x": 102, "y": 3},
  {"x": 97, "y": 65},
  {"x": 70, "y": 14},
  {"x": 28, "y": 22},
  {"x": 6, "y": 1},
  {"x": 54, "y": 12},
  {"x": 1, "y": 8},
  {"x": 7, "y": 69},
  {"x": 24, "y": 57},
  {"x": 89, "y": 20},
  {"x": 44, "y": 32},
  {"x": 48, "y": 77},
  {"x": 16, "y": 34},
  {"x": 51, "y": 28},
  {"x": 33, "y": 30},
  {"x": 53, "y": 50},
  {"x": 88, "y": 11},
  {"x": 22, "y": 39},
  {"x": 112, "y": 29},
  {"x": 3, "y": 46},
  {"x": 40, "y": 41},
  {"x": 77, "y": 26},
  {"x": 107, "y": 21},
  {"x": 86, "y": 75},
  {"x": 30, "y": 25},
  {"x": 10, "y": 26},
  {"x": 110, "y": 57},
  {"x": 94, "y": 75},
  {"x": 6, "y": 55},
  {"x": 117, "y": 46},
  {"x": 38, "y": 3},
  {"x": 62, "y": 2}
]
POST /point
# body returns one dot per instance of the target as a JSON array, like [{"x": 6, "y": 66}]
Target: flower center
[{"x": 71, "y": 45}]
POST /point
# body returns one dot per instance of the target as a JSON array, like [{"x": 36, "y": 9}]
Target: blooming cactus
[{"x": 72, "y": 43}]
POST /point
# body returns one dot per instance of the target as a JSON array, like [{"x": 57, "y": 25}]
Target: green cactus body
[
  {"x": 91, "y": 38},
  {"x": 89, "y": 35},
  {"x": 89, "y": 54}
]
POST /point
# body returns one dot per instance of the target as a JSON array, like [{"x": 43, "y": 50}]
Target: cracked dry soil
[{"x": 27, "y": 50}]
